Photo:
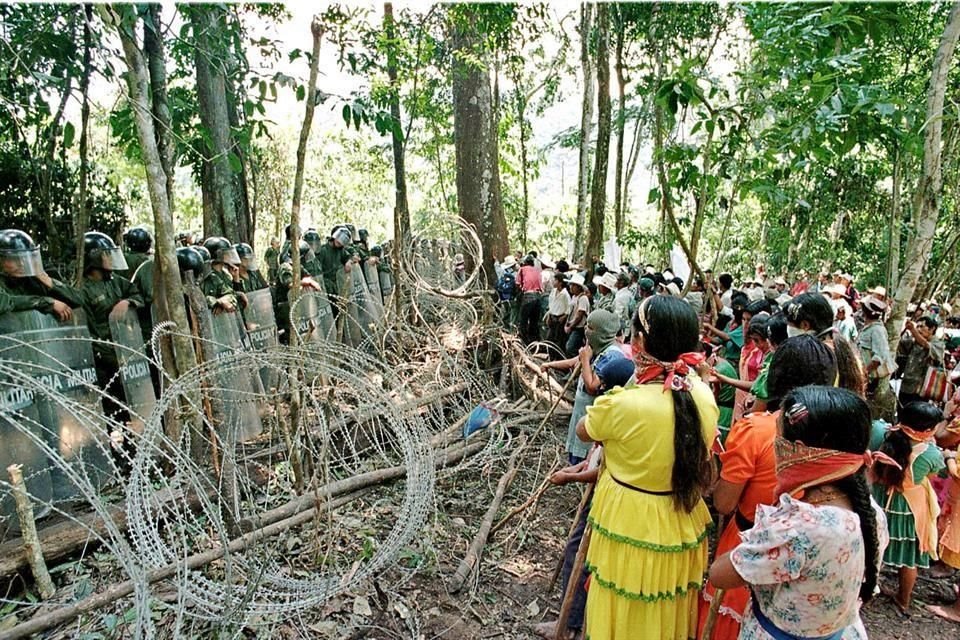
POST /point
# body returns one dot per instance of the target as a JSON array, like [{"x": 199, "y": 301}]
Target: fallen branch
[
  {"x": 476, "y": 547},
  {"x": 584, "y": 501},
  {"x": 533, "y": 499},
  {"x": 346, "y": 485}
]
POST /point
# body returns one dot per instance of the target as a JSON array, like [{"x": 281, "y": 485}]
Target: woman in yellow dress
[{"x": 648, "y": 546}]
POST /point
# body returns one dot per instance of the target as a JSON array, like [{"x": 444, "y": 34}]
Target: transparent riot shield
[
  {"x": 261, "y": 326},
  {"x": 134, "y": 367},
  {"x": 238, "y": 384},
  {"x": 386, "y": 285},
  {"x": 313, "y": 318},
  {"x": 21, "y": 437},
  {"x": 358, "y": 321},
  {"x": 374, "y": 299},
  {"x": 59, "y": 357}
]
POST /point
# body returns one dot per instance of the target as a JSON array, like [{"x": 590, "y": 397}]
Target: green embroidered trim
[
  {"x": 681, "y": 590},
  {"x": 652, "y": 546}
]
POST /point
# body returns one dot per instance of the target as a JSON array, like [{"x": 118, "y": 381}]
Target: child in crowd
[{"x": 901, "y": 486}]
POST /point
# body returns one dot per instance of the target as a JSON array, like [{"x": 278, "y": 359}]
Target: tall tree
[
  {"x": 598, "y": 195},
  {"x": 83, "y": 213},
  {"x": 475, "y": 139},
  {"x": 221, "y": 162},
  {"x": 929, "y": 191},
  {"x": 401, "y": 210},
  {"x": 618, "y": 193},
  {"x": 586, "y": 123},
  {"x": 124, "y": 20}
]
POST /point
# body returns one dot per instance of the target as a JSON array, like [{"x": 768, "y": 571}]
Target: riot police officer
[
  {"x": 272, "y": 258},
  {"x": 285, "y": 281},
  {"x": 334, "y": 254},
  {"x": 310, "y": 265},
  {"x": 105, "y": 295},
  {"x": 24, "y": 285},
  {"x": 139, "y": 244},
  {"x": 250, "y": 276},
  {"x": 222, "y": 286}
]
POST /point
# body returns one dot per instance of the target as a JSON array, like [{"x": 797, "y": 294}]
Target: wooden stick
[
  {"x": 572, "y": 584},
  {"x": 533, "y": 499},
  {"x": 584, "y": 501},
  {"x": 480, "y": 539},
  {"x": 28, "y": 530},
  {"x": 712, "y": 614}
]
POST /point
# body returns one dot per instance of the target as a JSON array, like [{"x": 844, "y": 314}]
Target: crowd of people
[{"x": 774, "y": 409}]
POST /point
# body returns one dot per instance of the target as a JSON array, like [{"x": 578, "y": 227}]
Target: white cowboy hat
[
  {"x": 780, "y": 281},
  {"x": 576, "y": 278},
  {"x": 609, "y": 280},
  {"x": 509, "y": 262},
  {"x": 836, "y": 289}
]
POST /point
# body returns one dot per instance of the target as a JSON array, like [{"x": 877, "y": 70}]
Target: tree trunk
[
  {"x": 401, "y": 209},
  {"x": 586, "y": 123},
  {"x": 926, "y": 202},
  {"x": 137, "y": 83},
  {"x": 475, "y": 143},
  {"x": 316, "y": 30},
  {"x": 893, "y": 237},
  {"x": 83, "y": 214},
  {"x": 207, "y": 20},
  {"x": 598, "y": 196},
  {"x": 157, "y": 65},
  {"x": 619, "y": 203},
  {"x": 524, "y": 166}
]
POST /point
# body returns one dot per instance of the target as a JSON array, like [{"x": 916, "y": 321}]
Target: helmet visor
[
  {"x": 22, "y": 264},
  {"x": 315, "y": 244},
  {"x": 230, "y": 256},
  {"x": 249, "y": 262},
  {"x": 113, "y": 260},
  {"x": 343, "y": 236}
]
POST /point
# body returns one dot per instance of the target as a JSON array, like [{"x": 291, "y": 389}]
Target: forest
[{"x": 382, "y": 479}]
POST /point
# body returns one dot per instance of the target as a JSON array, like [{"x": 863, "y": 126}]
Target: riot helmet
[
  {"x": 363, "y": 234},
  {"x": 101, "y": 252},
  {"x": 222, "y": 251},
  {"x": 19, "y": 255},
  {"x": 376, "y": 251},
  {"x": 287, "y": 229},
  {"x": 313, "y": 239},
  {"x": 190, "y": 259},
  {"x": 341, "y": 235},
  {"x": 354, "y": 236},
  {"x": 138, "y": 240},
  {"x": 306, "y": 252},
  {"x": 248, "y": 259},
  {"x": 202, "y": 250}
]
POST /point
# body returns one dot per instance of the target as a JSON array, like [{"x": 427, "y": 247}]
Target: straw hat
[
  {"x": 509, "y": 262},
  {"x": 576, "y": 279}
]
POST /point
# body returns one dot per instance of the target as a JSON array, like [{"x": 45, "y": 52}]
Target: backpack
[{"x": 505, "y": 286}]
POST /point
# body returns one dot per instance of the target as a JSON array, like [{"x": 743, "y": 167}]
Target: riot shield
[
  {"x": 261, "y": 326},
  {"x": 358, "y": 321},
  {"x": 21, "y": 435},
  {"x": 374, "y": 299},
  {"x": 69, "y": 417},
  {"x": 238, "y": 385},
  {"x": 313, "y": 318},
  {"x": 386, "y": 285},
  {"x": 134, "y": 367}
]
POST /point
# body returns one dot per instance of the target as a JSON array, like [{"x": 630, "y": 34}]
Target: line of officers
[{"x": 115, "y": 281}]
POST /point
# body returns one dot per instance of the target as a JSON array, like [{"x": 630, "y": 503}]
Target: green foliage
[{"x": 25, "y": 205}]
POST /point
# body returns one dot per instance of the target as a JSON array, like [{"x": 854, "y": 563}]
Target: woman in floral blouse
[{"x": 811, "y": 559}]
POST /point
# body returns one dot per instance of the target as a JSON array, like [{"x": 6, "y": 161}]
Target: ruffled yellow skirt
[{"x": 647, "y": 560}]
